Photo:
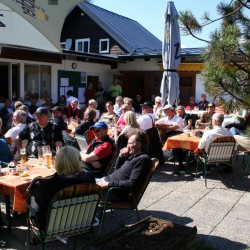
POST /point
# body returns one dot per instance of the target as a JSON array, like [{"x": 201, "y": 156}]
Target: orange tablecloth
[
  {"x": 15, "y": 186},
  {"x": 182, "y": 141}
]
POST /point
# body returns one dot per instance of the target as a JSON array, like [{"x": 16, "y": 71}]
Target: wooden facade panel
[{"x": 79, "y": 25}]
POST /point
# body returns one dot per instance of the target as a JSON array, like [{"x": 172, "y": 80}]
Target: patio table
[
  {"x": 182, "y": 141},
  {"x": 15, "y": 185}
]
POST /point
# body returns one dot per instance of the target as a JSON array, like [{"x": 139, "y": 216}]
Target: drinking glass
[
  {"x": 40, "y": 154},
  {"x": 23, "y": 155},
  {"x": 49, "y": 159}
]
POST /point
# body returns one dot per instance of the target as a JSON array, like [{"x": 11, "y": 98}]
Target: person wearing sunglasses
[
  {"x": 205, "y": 120},
  {"x": 109, "y": 117},
  {"x": 100, "y": 151}
]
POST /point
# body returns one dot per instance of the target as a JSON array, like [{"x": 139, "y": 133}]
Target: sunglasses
[
  {"x": 144, "y": 107},
  {"x": 96, "y": 130},
  {"x": 210, "y": 106},
  {"x": 157, "y": 102}
]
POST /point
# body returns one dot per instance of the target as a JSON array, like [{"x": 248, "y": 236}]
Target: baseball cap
[
  {"x": 168, "y": 107},
  {"x": 99, "y": 125},
  {"x": 42, "y": 111},
  {"x": 147, "y": 104},
  {"x": 56, "y": 108}
]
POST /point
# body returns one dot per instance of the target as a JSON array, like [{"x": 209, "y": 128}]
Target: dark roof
[{"x": 131, "y": 35}]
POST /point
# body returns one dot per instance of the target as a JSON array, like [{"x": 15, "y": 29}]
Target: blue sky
[{"x": 149, "y": 13}]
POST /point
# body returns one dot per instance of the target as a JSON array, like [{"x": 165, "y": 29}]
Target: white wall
[{"x": 140, "y": 65}]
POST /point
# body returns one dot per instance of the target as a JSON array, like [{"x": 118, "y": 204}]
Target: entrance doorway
[{"x": 4, "y": 81}]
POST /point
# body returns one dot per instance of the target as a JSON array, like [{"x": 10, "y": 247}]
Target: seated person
[
  {"x": 171, "y": 123},
  {"x": 61, "y": 102},
  {"x": 109, "y": 117},
  {"x": 220, "y": 106},
  {"x": 72, "y": 111},
  {"x": 192, "y": 104},
  {"x": 121, "y": 123},
  {"x": 202, "y": 105},
  {"x": 93, "y": 105},
  {"x": 212, "y": 134},
  {"x": 18, "y": 122},
  {"x": 30, "y": 118},
  {"x": 41, "y": 132},
  {"x": 137, "y": 104},
  {"x": 206, "y": 117},
  {"x": 100, "y": 150},
  {"x": 5, "y": 154},
  {"x": 118, "y": 105},
  {"x": 57, "y": 117},
  {"x": 90, "y": 116},
  {"x": 132, "y": 167},
  {"x": 68, "y": 172},
  {"x": 186, "y": 118}
]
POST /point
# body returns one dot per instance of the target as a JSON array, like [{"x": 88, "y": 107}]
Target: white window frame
[
  {"x": 82, "y": 41},
  {"x": 100, "y": 45}
]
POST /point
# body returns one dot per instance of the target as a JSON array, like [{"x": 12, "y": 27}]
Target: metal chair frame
[
  {"x": 220, "y": 151},
  {"x": 134, "y": 197},
  {"x": 71, "y": 213}
]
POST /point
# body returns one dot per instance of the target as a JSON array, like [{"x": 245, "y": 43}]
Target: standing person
[
  {"x": 68, "y": 172},
  {"x": 115, "y": 90},
  {"x": 18, "y": 122},
  {"x": 132, "y": 167},
  {"x": 41, "y": 132},
  {"x": 89, "y": 92},
  {"x": 100, "y": 97},
  {"x": 202, "y": 105}
]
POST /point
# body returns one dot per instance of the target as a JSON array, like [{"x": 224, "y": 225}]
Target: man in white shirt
[
  {"x": 212, "y": 134},
  {"x": 19, "y": 122},
  {"x": 118, "y": 105},
  {"x": 146, "y": 120},
  {"x": 173, "y": 125},
  {"x": 71, "y": 98}
]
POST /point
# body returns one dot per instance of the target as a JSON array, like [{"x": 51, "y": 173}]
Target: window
[
  {"x": 37, "y": 82},
  {"x": 104, "y": 46},
  {"x": 82, "y": 45}
]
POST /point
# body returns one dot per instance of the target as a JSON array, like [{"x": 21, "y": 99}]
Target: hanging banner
[{"x": 47, "y": 16}]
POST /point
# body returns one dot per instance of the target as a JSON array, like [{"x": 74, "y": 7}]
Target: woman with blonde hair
[
  {"x": 130, "y": 122},
  {"x": 68, "y": 172},
  {"x": 157, "y": 110}
]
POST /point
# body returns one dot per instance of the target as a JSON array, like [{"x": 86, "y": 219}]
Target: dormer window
[
  {"x": 104, "y": 46},
  {"x": 82, "y": 45}
]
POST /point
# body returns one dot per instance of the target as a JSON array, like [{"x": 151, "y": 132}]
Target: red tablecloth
[
  {"x": 15, "y": 185},
  {"x": 182, "y": 141}
]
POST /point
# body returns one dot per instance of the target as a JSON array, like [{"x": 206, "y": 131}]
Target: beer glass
[
  {"x": 23, "y": 155},
  {"x": 49, "y": 159}
]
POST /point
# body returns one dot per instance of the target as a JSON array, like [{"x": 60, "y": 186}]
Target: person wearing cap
[
  {"x": 100, "y": 150},
  {"x": 72, "y": 111},
  {"x": 41, "y": 132},
  {"x": 57, "y": 117},
  {"x": 173, "y": 125},
  {"x": 146, "y": 120}
]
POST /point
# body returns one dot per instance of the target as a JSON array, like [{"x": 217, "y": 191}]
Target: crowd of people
[{"x": 131, "y": 122}]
